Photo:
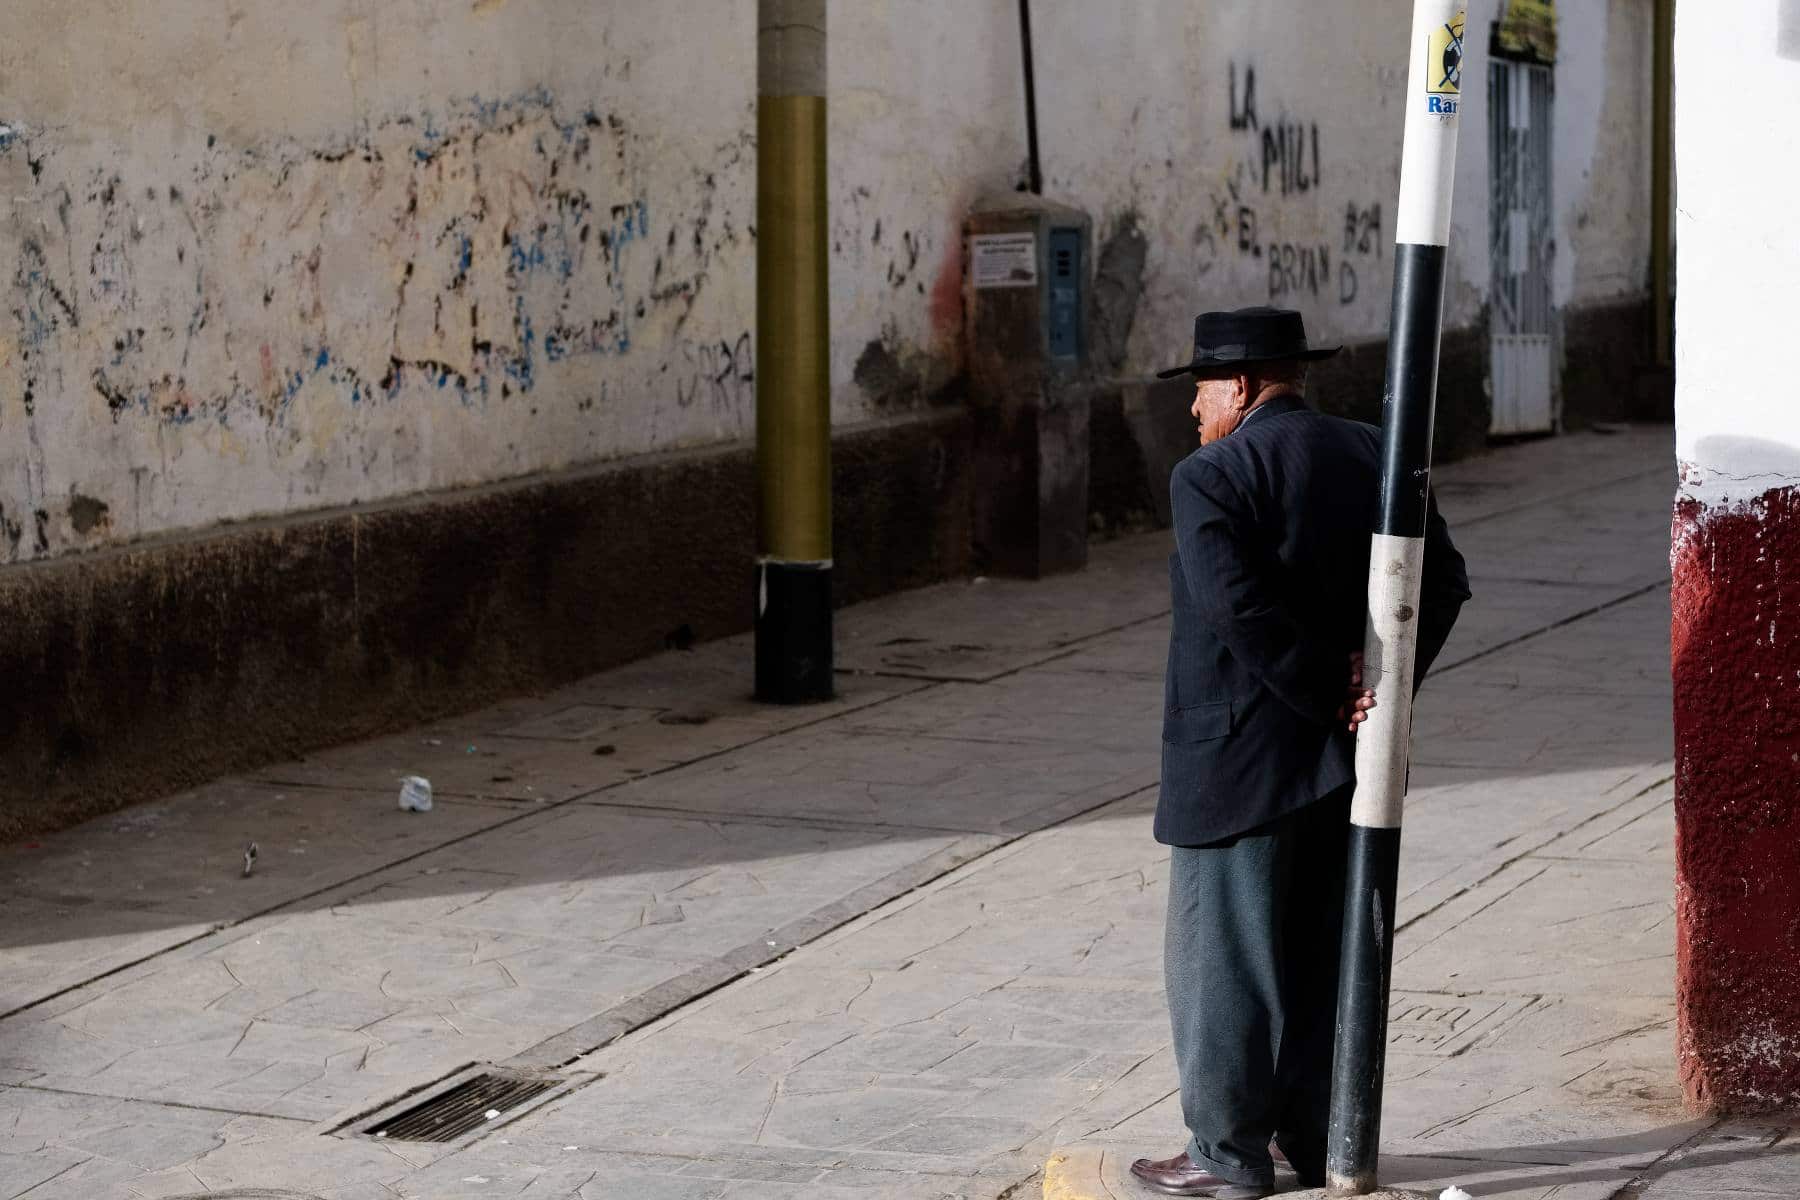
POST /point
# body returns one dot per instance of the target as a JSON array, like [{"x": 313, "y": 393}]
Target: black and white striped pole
[{"x": 1427, "y": 175}]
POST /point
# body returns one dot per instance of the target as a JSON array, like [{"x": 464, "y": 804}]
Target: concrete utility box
[{"x": 1026, "y": 278}]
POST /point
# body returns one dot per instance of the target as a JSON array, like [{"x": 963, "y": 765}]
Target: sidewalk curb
[{"x": 1079, "y": 1173}]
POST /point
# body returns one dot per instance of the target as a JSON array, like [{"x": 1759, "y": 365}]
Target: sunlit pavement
[{"x": 907, "y": 944}]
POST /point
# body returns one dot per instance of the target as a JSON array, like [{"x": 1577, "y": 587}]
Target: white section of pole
[
  {"x": 1433, "y": 107},
  {"x": 1390, "y": 650}
]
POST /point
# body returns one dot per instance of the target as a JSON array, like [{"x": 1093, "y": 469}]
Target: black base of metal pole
[
  {"x": 793, "y": 632},
  {"x": 1352, "y": 1154}
]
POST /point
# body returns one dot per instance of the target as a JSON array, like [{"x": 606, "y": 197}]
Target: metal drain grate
[{"x": 462, "y": 1109}]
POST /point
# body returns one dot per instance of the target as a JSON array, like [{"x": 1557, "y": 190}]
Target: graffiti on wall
[
  {"x": 1278, "y": 181},
  {"x": 266, "y": 299}
]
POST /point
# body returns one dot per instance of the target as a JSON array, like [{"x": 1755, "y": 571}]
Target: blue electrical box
[
  {"x": 1062, "y": 317},
  {"x": 1026, "y": 278}
]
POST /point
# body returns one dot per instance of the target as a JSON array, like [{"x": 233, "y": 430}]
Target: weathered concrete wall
[
  {"x": 1604, "y": 83},
  {"x": 275, "y": 277},
  {"x": 1737, "y": 536},
  {"x": 317, "y": 255},
  {"x": 265, "y": 258},
  {"x": 927, "y": 114},
  {"x": 291, "y": 256},
  {"x": 1258, "y": 148}
]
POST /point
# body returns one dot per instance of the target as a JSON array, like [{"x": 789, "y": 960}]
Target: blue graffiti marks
[
  {"x": 571, "y": 285},
  {"x": 47, "y": 307},
  {"x": 555, "y": 250},
  {"x": 38, "y": 319},
  {"x": 170, "y": 401},
  {"x": 43, "y": 310},
  {"x": 520, "y": 367},
  {"x": 341, "y": 376},
  {"x": 558, "y": 244},
  {"x": 486, "y": 113},
  {"x": 629, "y": 223}
]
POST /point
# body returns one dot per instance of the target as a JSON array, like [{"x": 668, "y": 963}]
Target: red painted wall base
[{"x": 1736, "y": 647}]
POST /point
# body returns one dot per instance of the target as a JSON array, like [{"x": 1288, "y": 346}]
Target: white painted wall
[
  {"x": 260, "y": 258},
  {"x": 1737, "y": 408},
  {"x": 1604, "y": 89},
  {"x": 1137, "y": 114},
  {"x": 927, "y": 115}
]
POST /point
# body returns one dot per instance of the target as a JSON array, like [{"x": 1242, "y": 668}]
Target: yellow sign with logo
[
  {"x": 1443, "y": 66},
  {"x": 1444, "y": 59},
  {"x": 1528, "y": 29}
]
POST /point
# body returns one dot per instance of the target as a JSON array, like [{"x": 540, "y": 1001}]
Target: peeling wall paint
[
  {"x": 292, "y": 257},
  {"x": 1736, "y": 667}
]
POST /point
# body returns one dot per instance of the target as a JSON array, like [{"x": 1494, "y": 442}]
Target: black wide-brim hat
[{"x": 1248, "y": 335}]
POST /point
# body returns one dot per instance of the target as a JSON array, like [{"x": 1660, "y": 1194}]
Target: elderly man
[{"x": 1272, "y": 521}]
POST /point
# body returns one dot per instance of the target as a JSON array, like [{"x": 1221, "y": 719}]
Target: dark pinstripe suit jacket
[{"x": 1270, "y": 585}]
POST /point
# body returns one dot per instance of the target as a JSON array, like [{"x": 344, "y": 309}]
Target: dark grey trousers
[{"x": 1250, "y": 959}]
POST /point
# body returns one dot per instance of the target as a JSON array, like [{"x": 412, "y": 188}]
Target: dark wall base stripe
[{"x": 136, "y": 672}]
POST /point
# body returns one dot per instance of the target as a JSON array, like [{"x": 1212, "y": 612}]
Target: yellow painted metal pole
[
  {"x": 1662, "y": 183},
  {"x": 793, "y": 357}
]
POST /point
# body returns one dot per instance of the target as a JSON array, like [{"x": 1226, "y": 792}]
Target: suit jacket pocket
[{"x": 1197, "y": 722}]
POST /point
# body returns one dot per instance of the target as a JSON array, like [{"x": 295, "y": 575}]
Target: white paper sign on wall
[{"x": 999, "y": 260}]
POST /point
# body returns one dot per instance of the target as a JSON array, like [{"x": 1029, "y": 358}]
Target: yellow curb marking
[{"x": 1075, "y": 1175}]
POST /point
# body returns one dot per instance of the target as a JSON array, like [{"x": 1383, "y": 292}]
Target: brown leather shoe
[{"x": 1182, "y": 1176}]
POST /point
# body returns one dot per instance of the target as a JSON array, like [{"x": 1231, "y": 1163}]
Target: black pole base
[
  {"x": 793, "y": 632},
  {"x": 1353, "y": 1145}
]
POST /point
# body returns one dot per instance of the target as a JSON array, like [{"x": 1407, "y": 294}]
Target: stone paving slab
[
  {"x": 650, "y": 716},
  {"x": 145, "y": 880},
  {"x": 507, "y": 942},
  {"x": 979, "y": 631},
  {"x": 930, "y": 782},
  {"x": 999, "y": 973},
  {"x": 1740, "y": 1160},
  {"x": 1616, "y": 546},
  {"x": 1054, "y": 706},
  {"x": 1580, "y": 664},
  {"x": 74, "y": 1147},
  {"x": 1505, "y": 610},
  {"x": 636, "y": 914},
  {"x": 1547, "y": 470}
]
